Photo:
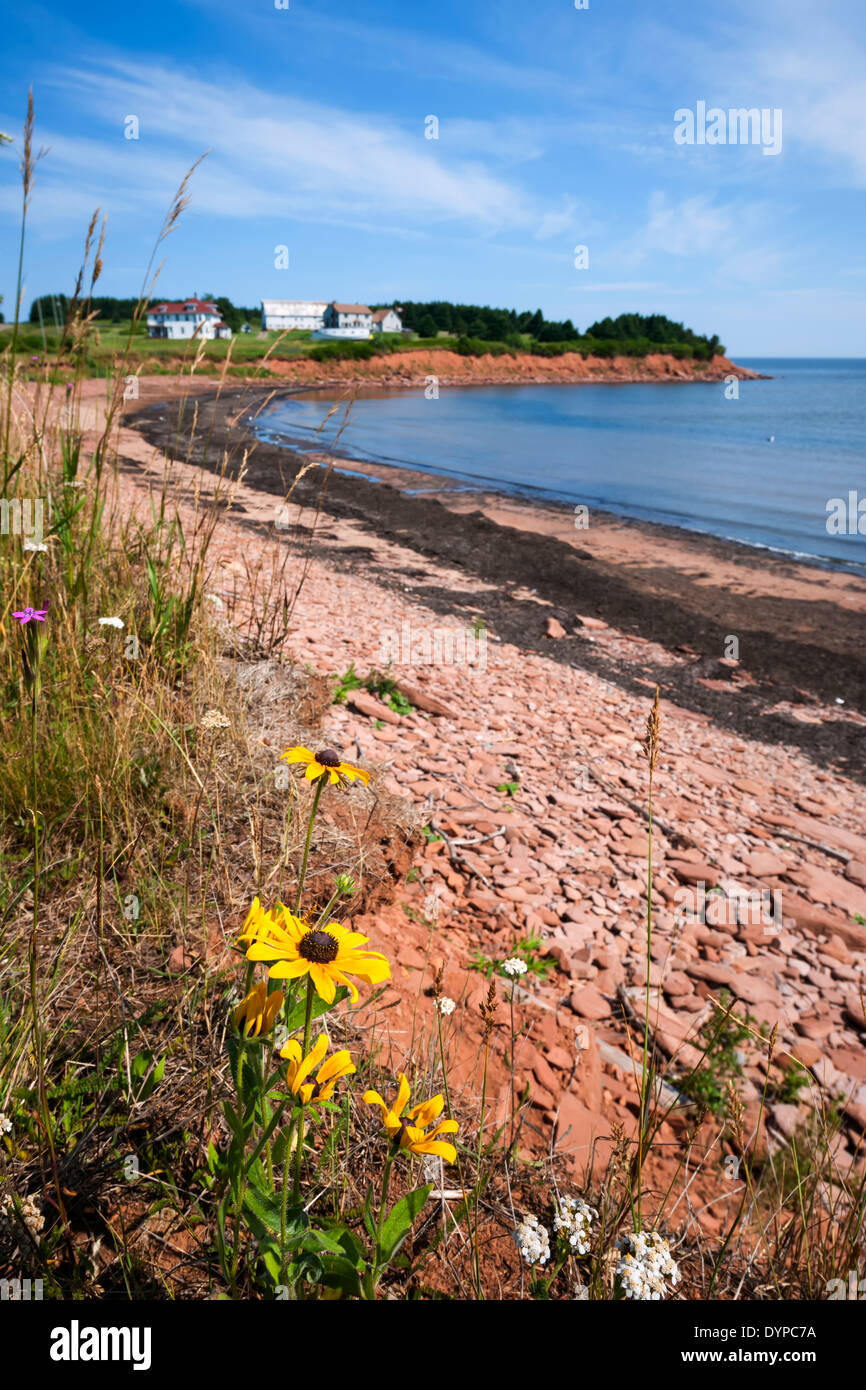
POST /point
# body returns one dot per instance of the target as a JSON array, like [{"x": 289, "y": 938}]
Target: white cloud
[
  {"x": 274, "y": 155},
  {"x": 691, "y": 227}
]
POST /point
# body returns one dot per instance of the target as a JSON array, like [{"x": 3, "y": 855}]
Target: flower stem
[
  {"x": 308, "y": 1019},
  {"x": 644, "y": 1085},
  {"x": 380, "y": 1223},
  {"x": 478, "y": 1289},
  {"x": 313, "y": 809}
]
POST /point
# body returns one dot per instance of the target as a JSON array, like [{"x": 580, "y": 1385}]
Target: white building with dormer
[{"x": 186, "y": 319}]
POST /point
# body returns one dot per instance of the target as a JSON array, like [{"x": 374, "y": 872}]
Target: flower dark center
[
  {"x": 328, "y": 758},
  {"x": 402, "y": 1137},
  {"x": 319, "y": 946}
]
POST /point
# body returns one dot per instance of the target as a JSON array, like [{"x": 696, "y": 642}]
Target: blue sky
[{"x": 556, "y": 129}]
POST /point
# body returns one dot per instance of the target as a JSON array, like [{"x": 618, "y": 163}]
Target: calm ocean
[{"x": 760, "y": 469}]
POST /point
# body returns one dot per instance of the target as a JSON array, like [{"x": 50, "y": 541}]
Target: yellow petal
[
  {"x": 349, "y": 940},
  {"x": 313, "y": 771},
  {"x": 292, "y": 1051},
  {"x": 425, "y": 1113},
  {"x": 434, "y": 1146},
  {"x": 293, "y": 927},
  {"x": 288, "y": 969},
  {"x": 353, "y": 772},
  {"x": 367, "y": 967},
  {"x": 311, "y": 1061},
  {"x": 338, "y": 1064},
  {"x": 342, "y": 979},
  {"x": 299, "y": 754},
  {"x": 444, "y": 1127},
  {"x": 323, "y": 982},
  {"x": 403, "y": 1094},
  {"x": 373, "y": 1098}
]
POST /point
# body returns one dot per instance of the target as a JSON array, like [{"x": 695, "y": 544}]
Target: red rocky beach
[{"x": 524, "y": 759}]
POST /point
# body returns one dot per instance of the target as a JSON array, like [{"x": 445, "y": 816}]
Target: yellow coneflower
[
  {"x": 325, "y": 764},
  {"x": 329, "y": 954},
  {"x": 339, "y": 1064},
  {"x": 255, "y": 1015},
  {"x": 409, "y": 1133}
]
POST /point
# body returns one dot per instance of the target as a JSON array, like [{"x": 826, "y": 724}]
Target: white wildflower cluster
[
  {"x": 214, "y": 719},
  {"x": 446, "y": 1006},
  {"x": 33, "y": 1218},
  {"x": 533, "y": 1241},
  {"x": 5, "y": 1124},
  {"x": 514, "y": 966},
  {"x": 111, "y": 622},
  {"x": 573, "y": 1222},
  {"x": 37, "y": 547},
  {"x": 645, "y": 1263}
]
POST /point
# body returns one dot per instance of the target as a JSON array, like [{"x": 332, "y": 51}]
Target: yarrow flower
[
  {"x": 514, "y": 966},
  {"x": 28, "y": 615},
  {"x": 5, "y": 1124},
  {"x": 573, "y": 1222},
  {"x": 339, "y": 1064},
  {"x": 645, "y": 1264},
  {"x": 328, "y": 954},
  {"x": 111, "y": 622},
  {"x": 33, "y": 1218},
  {"x": 325, "y": 764},
  {"x": 446, "y": 1006},
  {"x": 36, "y": 546},
  {"x": 410, "y": 1133},
  {"x": 533, "y": 1241},
  {"x": 214, "y": 719},
  {"x": 255, "y": 1015}
]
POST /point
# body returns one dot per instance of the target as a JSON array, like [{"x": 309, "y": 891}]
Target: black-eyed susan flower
[
  {"x": 339, "y": 1064},
  {"x": 325, "y": 764},
  {"x": 255, "y": 1015},
  {"x": 328, "y": 954},
  {"x": 412, "y": 1132}
]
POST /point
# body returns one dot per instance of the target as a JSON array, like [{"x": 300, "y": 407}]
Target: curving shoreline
[
  {"x": 802, "y": 630},
  {"x": 412, "y": 367}
]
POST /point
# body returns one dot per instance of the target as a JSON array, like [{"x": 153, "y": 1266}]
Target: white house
[
  {"x": 186, "y": 318},
  {"x": 388, "y": 321},
  {"x": 293, "y": 313},
  {"x": 349, "y": 316}
]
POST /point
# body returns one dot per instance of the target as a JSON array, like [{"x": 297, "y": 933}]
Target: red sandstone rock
[
  {"x": 588, "y": 1003},
  {"x": 365, "y": 703}
]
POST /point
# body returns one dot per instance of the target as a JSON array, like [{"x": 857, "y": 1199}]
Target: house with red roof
[{"x": 187, "y": 318}]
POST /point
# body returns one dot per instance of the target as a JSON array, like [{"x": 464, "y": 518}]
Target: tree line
[
  {"x": 51, "y": 310},
  {"x": 483, "y": 324}
]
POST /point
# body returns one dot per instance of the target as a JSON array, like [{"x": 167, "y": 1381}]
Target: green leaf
[
  {"x": 369, "y": 1218},
  {"x": 398, "y": 1223},
  {"x": 299, "y": 1012},
  {"x": 263, "y": 1211},
  {"x": 353, "y": 1248},
  {"x": 145, "y": 1076},
  {"x": 310, "y": 1267},
  {"x": 324, "y": 1240},
  {"x": 340, "y": 1273}
]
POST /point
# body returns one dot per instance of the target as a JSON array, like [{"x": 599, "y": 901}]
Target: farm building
[
  {"x": 185, "y": 319},
  {"x": 283, "y": 314},
  {"x": 348, "y": 316},
  {"x": 388, "y": 321}
]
